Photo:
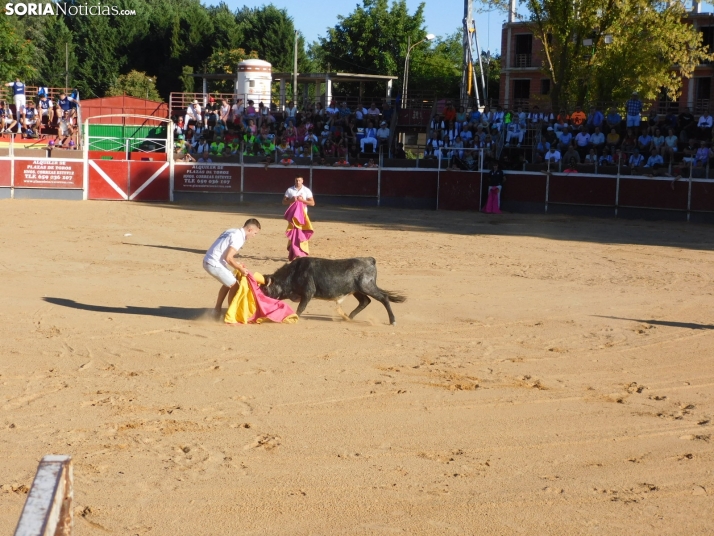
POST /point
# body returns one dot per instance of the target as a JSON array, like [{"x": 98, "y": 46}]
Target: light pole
[{"x": 428, "y": 37}]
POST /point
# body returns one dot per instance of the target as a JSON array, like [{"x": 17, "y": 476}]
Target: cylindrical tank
[{"x": 253, "y": 81}]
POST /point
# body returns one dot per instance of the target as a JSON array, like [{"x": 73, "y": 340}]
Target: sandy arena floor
[{"x": 547, "y": 375}]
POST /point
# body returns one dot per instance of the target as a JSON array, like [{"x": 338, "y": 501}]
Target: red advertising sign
[
  {"x": 207, "y": 178},
  {"x": 5, "y": 172},
  {"x": 48, "y": 173}
]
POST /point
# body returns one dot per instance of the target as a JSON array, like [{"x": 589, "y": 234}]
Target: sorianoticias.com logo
[{"x": 65, "y": 8}]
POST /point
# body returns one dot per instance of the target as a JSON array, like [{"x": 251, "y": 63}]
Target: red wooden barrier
[
  {"x": 345, "y": 181},
  {"x": 49, "y": 173},
  {"x": 409, "y": 183},
  {"x": 206, "y": 178},
  {"x": 582, "y": 190},
  {"x": 459, "y": 190},
  {"x": 108, "y": 179},
  {"x": 149, "y": 181},
  {"x": 649, "y": 193},
  {"x": 523, "y": 187},
  {"x": 5, "y": 167},
  {"x": 275, "y": 180},
  {"x": 702, "y": 196}
]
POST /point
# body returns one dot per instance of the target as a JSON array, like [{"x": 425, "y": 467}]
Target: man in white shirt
[
  {"x": 552, "y": 154},
  {"x": 705, "y": 125},
  {"x": 237, "y": 112},
  {"x": 193, "y": 113},
  {"x": 383, "y": 133},
  {"x": 299, "y": 192},
  {"x": 219, "y": 260}
]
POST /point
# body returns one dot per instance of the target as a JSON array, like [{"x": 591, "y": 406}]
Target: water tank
[{"x": 253, "y": 81}]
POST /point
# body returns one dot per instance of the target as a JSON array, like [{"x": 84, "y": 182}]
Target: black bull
[{"x": 308, "y": 277}]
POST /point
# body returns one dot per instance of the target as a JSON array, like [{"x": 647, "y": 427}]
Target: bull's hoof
[{"x": 394, "y": 323}]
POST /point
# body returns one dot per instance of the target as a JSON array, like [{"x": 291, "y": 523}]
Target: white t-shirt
[
  {"x": 232, "y": 238},
  {"x": 304, "y": 191}
]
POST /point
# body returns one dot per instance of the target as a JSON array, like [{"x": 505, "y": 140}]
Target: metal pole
[
  {"x": 242, "y": 169},
  {"x": 379, "y": 175},
  {"x": 438, "y": 181},
  {"x": 689, "y": 193},
  {"x": 85, "y": 158},
  {"x": 404, "y": 77},
  {"x": 617, "y": 187},
  {"x": 295, "y": 56},
  {"x": 66, "y": 66}
]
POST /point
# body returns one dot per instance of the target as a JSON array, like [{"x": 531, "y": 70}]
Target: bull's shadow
[{"x": 175, "y": 313}]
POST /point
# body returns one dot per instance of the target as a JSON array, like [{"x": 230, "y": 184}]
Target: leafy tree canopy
[{"x": 134, "y": 84}]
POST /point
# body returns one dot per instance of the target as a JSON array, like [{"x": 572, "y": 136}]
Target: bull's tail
[{"x": 395, "y": 297}]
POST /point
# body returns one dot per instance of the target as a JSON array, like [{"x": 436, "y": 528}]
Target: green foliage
[
  {"x": 16, "y": 52},
  {"x": 225, "y": 62},
  {"x": 437, "y": 68},
  {"x": 59, "y": 40},
  {"x": 373, "y": 39},
  {"x": 134, "y": 84},
  {"x": 648, "y": 37}
]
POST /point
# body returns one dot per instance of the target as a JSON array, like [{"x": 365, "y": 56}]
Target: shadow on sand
[
  {"x": 175, "y": 313},
  {"x": 685, "y": 325}
]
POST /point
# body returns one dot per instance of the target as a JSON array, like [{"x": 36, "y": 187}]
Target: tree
[
  {"x": 225, "y": 62},
  {"x": 134, "y": 84},
  {"x": 602, "y": 50},
  {"x": 59, "y": 60},
  {"x": 16, "y": 53},
  {"x": 271, "y": 33},
  {"x": 438, "y": 67},
  {"x": 373, "y": 39}
]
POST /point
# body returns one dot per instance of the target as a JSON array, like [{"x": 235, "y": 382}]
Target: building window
[
  {"x": 708, "y": 37},
  {"x": 524, "y": 49},
  {"x": 521, "y": 89},
  {"x": 704, "y": 88},
  {"x": 544, "y": 86}
]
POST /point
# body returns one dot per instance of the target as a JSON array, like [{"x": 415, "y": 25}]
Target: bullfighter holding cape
[{"x": 299, "y": 229}]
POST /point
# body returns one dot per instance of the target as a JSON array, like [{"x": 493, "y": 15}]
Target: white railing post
[{"x": 85, "y": 160}]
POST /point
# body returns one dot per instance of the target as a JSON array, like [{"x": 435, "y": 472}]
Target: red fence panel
[
  {"x": 345, "y": 181},
  {"x": 108, "y": 179},
  {"x": 149, "y": 181},
  {"x": 702, "y": 196},
  {"x": 274, "y": 180},
  {"x": 49, "y": 173},
  {"x": 651, "y": 193},
  {"x": 523, "y": 187},
  {"x": 206, "y": 178},
  {"x": 459, "y": 190},
  {"x": 582, "y": 190},
  {"x": 5, "y": 172},
  {"x": 409, "y": 183}
]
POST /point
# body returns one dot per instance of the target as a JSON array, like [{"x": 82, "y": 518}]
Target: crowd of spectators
[
  {"x": 650, "y": 144},
  {"x": 40, "y": 117},
  {"x": 228, "y": 128}
]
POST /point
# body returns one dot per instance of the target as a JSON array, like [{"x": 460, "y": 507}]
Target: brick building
[{"x": 524, "y": 83}]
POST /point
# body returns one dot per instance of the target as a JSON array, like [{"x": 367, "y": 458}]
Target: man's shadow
[
  {"x": 669, "y": 323},
  {"x": 175, "y": 313}
]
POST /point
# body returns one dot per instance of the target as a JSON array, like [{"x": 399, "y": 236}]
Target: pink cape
[
  {"x": 299, "y": 229},
  {"x": 269, "y": 308},
  {"x": 492, "y": 203}
]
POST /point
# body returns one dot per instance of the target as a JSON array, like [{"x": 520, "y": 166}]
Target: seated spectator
[
  {"x": 542, "y": 147},
  {"x": 559, "y": 127},
  {"x": 704, "y": 126},
  {"x": 457, "y": 145},
  {"x": 291, "y": 134},
  {"x": 614, "y": 120},
  {"x": 237, "y": 112},
  {"x": 234, "y": 146},
  {"x": 591, "y": 157},
  {"x": 286, "y": 160},
  {"x": 613, "y": 139},
  {"x": 596, "y": 119},
  {"x": 451, "y": 130},
  {"x": 449, "y": 112},
  {"x": 597, "y": 139},
  {"x": 562, "y": 117},
  {"x": 30, "y": 120},
  {"x": 636, "y": 159},
  {"x": 205, "y": 158},
  {"x": 486, "y": 117},
  {"x": 620, "y": 158},
  {"x": 689, "y": 152},
  {"x": 644, "y": 141},
  {"x": 332, "y": 109},
  {"x": 571, "y": 154},
  {"x": 629, "y": 144},
  {"x": 193, "y": 115},
  {"x": 582, "y": 142},
  {"x": 341, "y": 162},
  {"x": 290, "y": 113},
  {"x": 437, "y": 124},
  {"x": 605, "y": 158},
  {"x": 224, "y": 112},
  {"x": 657, "y": 140},
  {"x": 6, "y": 121},
  {"x": 571, "y": 167},
  {"x": 671, "y": 142},
  {"x": 553, "y": 155},
  {"x": 370, "y": 136},
  {"x": 387, "y": 113},
  {"x": 565, "y": 139},
  {"x": 251, "y": 114},
  {"x": 655, "y": 160},
  {"x": 578, "y": 117},
  {"x": 652, "y": 120},
  {"x": 497, "y": 119},
  {"x": 344, "y": 113},
  {"x": 433, "y": 145},
  {"x": 319, "y": 111},
  {"x": 701, "y": 157},
  {"x": 46, "y": 110},
  {"x": 514, "y": 130}
]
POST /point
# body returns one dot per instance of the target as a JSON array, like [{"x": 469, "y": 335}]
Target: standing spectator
[
  {"x": 495, "y": 181},
  {"x": 634, "y": 110},
  {"x": 6, "y": 121},
  {"x": 18, "y": 95},
  {"x": 704, "y": 125},
  {"x": 685, "y": 123}
]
